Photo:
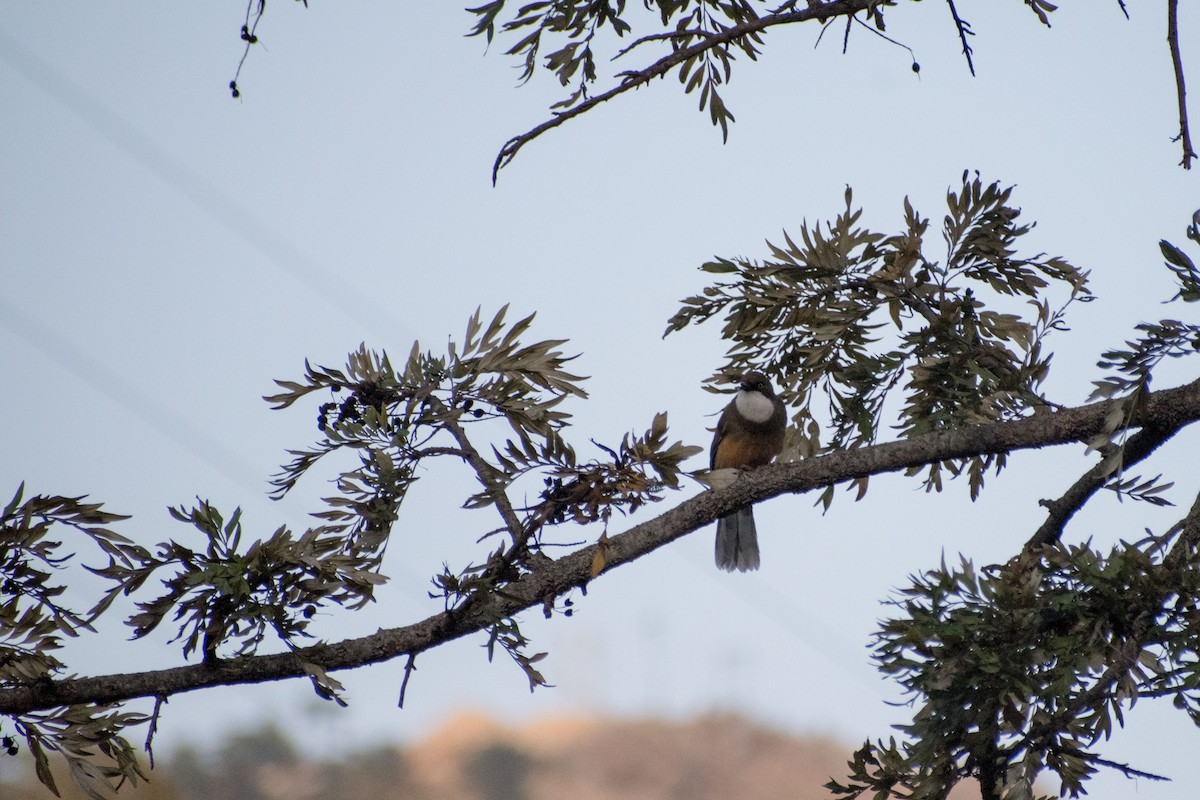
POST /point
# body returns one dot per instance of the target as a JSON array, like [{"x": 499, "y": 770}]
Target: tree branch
[
  {"x": 549, "y": 578},
  {"x": 634, "y": 79},
  {"x": 1184, "y": 137},
  {"x": 1138, "y": 448},
  {"x": 964, "y": 30},
  {"x": 1189, "y": 536},
  {"x": 1124, "y": 769},
  {"x": 487, "y": 474},
  {"x": 1119, "y": 663}
]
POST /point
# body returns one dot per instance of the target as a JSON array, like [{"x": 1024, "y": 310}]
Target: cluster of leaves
[
  {"x": 226, "y": 594},
  {"x": 99, "y": 758},
  {"x": 640, "y": 469},
  {"x": 1024, "y": 668},
  {"x": 574, "y": 27},
  {"x": 222, "y": 594},
  {"x": 397, "y": 418},
  {"x": 850, "y": 315},
  {"x": 33, "y": 621}
]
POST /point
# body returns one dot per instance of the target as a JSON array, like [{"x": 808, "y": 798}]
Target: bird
[{"x": 749, "y": 433}]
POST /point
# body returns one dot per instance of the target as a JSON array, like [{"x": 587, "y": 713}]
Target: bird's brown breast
[{"x": 739, "y": 448}]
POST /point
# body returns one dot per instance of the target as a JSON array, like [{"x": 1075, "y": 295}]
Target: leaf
[
  {"x": 41, "y": 764},
  {"x": 600, "y": 557}
]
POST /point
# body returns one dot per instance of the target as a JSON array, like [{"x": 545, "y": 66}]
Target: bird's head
[{"x": 754, "y": 381}]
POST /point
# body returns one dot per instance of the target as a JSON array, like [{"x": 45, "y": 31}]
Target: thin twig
[
  {"x": 249, "y": 37},
  {"x": 1124, "y": 769},
  {"x": 1184, "y": 138},
  {"x": 490, "y": 478},
  {"x": 152, "y": 727},
  {"x": 964, "y": 30},
  {"x": 658, "y": 37},
  {"x": 887, "y": 38},
  {"x": 409, "y": 668}
]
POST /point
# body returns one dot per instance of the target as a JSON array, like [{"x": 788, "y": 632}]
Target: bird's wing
[{"x": 723, "y": 426}]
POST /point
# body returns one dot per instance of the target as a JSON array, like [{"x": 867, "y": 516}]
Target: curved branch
[
  {"x": 1184, "y": 138},
  {"x": 549, "y": 578},
  {"x": 1138, "y": 448},
  {"x": 634, "y": 79}
]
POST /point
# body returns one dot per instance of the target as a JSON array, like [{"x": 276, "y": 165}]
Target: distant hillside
[
  {"x": 471, "y": 757},
  {"x": 714, "y": 757}
]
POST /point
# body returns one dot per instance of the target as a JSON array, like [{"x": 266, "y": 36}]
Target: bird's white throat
[{"x": 754, "y": 406}]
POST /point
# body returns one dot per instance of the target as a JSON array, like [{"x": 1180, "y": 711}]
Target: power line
[
  {"x": 214, "y": 202},
  {"x": 125, "y": 393},
  {"x": 330, "y": 286}
]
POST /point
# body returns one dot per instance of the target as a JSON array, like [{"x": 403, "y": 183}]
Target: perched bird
[{"x": 749, "y": 434}]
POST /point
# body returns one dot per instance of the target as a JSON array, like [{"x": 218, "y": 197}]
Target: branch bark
[
  {"x": 964, "y": 30},
  {"x": 549, "y": 578},
  {"x": 1184, "y": 138},
  {"x": 1139, "y": 447}
]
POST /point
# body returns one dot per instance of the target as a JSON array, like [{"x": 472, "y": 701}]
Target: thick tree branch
[
  {"x": 1185, "y": 138},
  {"x": 549, "y": 578},
  {"x": 634, "y": 79}
]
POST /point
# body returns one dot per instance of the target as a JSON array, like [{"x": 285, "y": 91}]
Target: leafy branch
[
  {"x": 229, "y": 594},
  {"x": 702, "y": 53},
  {"x": 33, "y": 620},
  {"x": 541, "y": 580},
  {"x": 855, "y": 325},
  {"x": 1134, "y": 365},
  {"x": 848, "y": 318},
  {"x": 1020, "y": 669},
  {"x": 703, "y": 38},
  {"x": 548, "y": 578}
]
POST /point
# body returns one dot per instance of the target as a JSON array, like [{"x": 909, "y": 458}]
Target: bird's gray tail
[{"x": 737, "y": 541}]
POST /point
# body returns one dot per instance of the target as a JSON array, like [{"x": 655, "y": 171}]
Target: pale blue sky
[{"x": 168, "y": 251}]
